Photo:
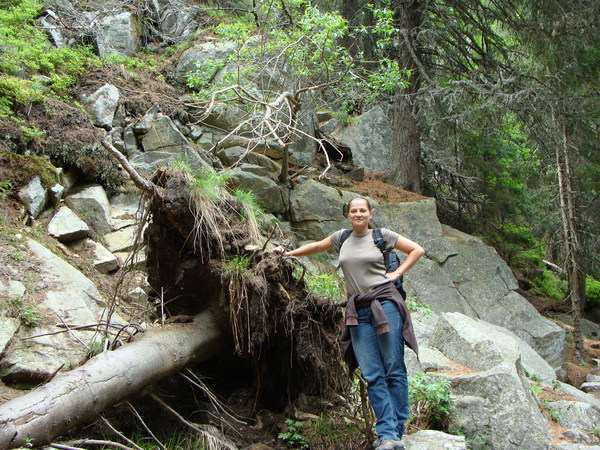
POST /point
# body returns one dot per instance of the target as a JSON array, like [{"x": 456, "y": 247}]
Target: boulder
[
  {"x": 121, "y": 240},
  {"x": 493, "y": 403},
  {"x": 34, "y": 196},
  {"x": 65, "y": 226},
  {"x": 418, "y": 221},
  {"x": 233, "y": 156},
  {"x": 103, "y": 260},
  {"x": 434, "y": 440},
  {"x": 576, "y": 415},
  {"x": 486, "y": 282},
  {"x": 125, "y": 209},
  {"x": 207, "y": 51},
  {"x": 91, "y": 204},
  {"x": 176, "y": 20},
  {"x": 269, "y": 195},
  {"x": 369, "y": 136},
  {"x": 69, "y": 297},
  {"x": 8, "y": 327},
  {"x": 162, "y": 144},
  {"x": 120, "y": 34},
  {"x": 103, "y": 105},
  {"x": 316, "y": 209}
]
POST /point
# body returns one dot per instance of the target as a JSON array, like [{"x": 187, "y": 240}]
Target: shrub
[
  {"x": 430, "y": 399},
  {"x": 592, "y": 289},
  {"x": 549, "y": 285}
]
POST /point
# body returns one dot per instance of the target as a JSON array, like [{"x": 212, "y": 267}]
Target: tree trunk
[
  {"x": 406, "y": 136},
  {"x": 80, "y": 395},
  {"x": 570, "y": 235}
]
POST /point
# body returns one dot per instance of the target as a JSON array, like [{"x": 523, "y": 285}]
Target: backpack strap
[
  {"x": 345, "y": 235},
  {"x": 379, "y": 242}
]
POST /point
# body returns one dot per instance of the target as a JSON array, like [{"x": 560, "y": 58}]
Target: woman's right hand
[{"x": 279, "y": 250}]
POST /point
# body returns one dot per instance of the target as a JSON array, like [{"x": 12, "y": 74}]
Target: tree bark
[
  {"x": 80, "y": 395},
  {"x": 406, "y": 135}
]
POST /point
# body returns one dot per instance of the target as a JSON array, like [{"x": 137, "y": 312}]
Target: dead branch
[{"x": 136, "y": 177}]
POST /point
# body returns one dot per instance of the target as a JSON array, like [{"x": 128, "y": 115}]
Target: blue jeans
[{"x": 381, "y": 361}]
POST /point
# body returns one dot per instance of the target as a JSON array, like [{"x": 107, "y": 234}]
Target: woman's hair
[{"x": 346, "y": 208}]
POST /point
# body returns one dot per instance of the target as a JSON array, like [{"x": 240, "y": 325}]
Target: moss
[{"x": 21, "y": 169}]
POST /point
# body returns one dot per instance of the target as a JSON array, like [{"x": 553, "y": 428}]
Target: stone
[
  {"x": 125, "y": 209},
  {"x": 493, "y": 401},
  {"x": 198, "y": 54},
  {"x": 55, "y": 193},
  {"x": 103, "y": 105},
  {"x": 577, "y": 415},
  {"x": 65, "y": 226},
  {"x": 91, "y": 204},
  {"x": 12, "y": 289},
  {"x": 316, "y": 209},
  {"x": 176, "y": 19},
  {"x": 34, "y": 196},
  {"x": 8, "y": 327},
  {"x": 234, "y": 156},
  {"x": 103, "y": 260},
  {"x": 434, "y": 440},
  {"x": 255, "y": 179},
  {"x": 369, "y": 137},
  {"x": 121, "y": 240},
  {"x": 120, "y": 34}
]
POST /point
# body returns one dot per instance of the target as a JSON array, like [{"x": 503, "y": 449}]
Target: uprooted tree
[{"x": 208, "y": 267}]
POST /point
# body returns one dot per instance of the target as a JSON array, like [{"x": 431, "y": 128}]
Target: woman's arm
[
  {"x": 413, "y": 251},
  {"x": 308, "y": 249}
]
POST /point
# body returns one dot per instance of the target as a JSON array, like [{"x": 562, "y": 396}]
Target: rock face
[
  {"x": 369, "y": 136},
  {"x": 70, "y": 298},
  {"x": 497, "y": 386}
]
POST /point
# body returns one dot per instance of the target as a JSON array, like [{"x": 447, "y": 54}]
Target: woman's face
[{"x": 359, "y": 213}]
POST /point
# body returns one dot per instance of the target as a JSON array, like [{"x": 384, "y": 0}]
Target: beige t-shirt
[{"x": 361, "y": 260}]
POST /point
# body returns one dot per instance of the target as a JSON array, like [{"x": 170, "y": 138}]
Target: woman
[{"x": 377, "y": 320}]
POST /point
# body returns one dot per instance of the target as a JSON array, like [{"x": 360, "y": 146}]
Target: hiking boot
[{"x": 388, "y": 444}]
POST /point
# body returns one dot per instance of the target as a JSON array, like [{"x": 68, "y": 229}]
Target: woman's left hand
[{"x": 393, "y": 275}]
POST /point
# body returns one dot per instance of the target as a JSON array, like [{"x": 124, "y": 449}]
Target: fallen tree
[
  {"x": 204, "y": 265},
  {"x": 78, "y": 396}
]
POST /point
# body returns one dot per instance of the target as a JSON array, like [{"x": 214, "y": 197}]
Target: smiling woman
[{"x": 377, "y": 322}]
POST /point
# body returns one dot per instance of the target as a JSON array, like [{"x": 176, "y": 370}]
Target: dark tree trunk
[{"x": 406, "y": 136}]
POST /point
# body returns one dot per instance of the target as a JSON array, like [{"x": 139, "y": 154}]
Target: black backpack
[{"x": 392, "y": 260}]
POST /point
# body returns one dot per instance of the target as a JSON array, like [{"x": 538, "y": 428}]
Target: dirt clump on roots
[{"x": 284, "y": 358}]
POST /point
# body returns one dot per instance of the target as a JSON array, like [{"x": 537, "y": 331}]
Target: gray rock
[
  {"x": 303, "y": 148},
  {"x": 269, "y": 195},
  {"x": 576, "y": 414},
  {"x": 434, "y": 440},
  {"x": 200, "y": 53},
  {"x": 176, "y": 20},
  {"x": 317, "y": 209},
  {"x": 103, "y": 105},
  {"x": 34, "y": 196},
  {"x": 125, "y": 209},
  {"x": 487, "y": 284},
  {"x": 130, "y": 142},
  {"x": 103, "y": 260},
  {"x": 8, "y": 327},
  {"x": 11, "y": 289},
  {"x": 57, "y": 273},
  {"x": 121, "y": 240},
  {"x": 120, "y": 34},
  {"x": 91, "y": 204},
  {"x": 65, "y": 226},
  {"x": 234, "y": 156},
  {"x": 578, "y": 394},
  {"x": 135, "y": 260},
  {"x": 55, "y": 193},
  {"x": 494, "y": 403},
  {"x": 369, "y": 136},
  {"x": 591, "y": 387},
  {"x": 51, "y": 24}
]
